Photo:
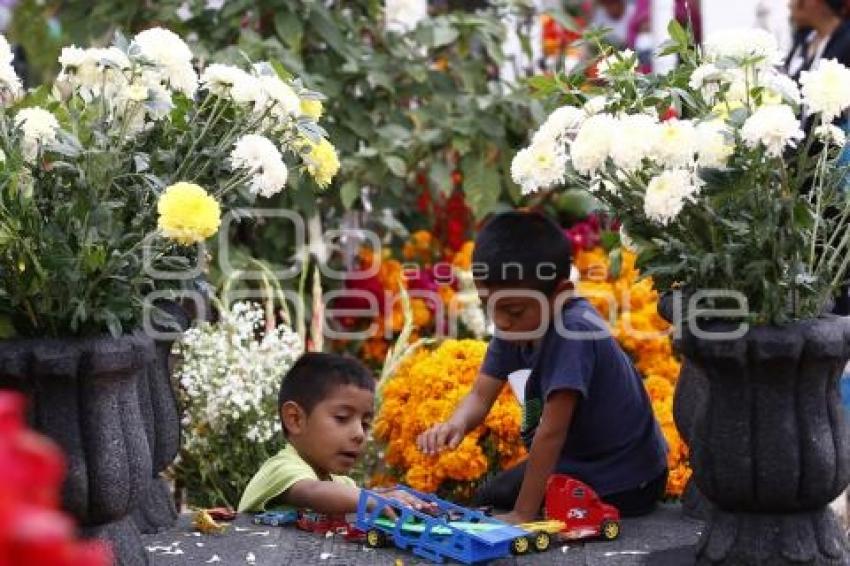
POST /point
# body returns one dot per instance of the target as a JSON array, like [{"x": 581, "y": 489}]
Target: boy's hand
[
  {"x": 439, "y": 437},
  {"x": 408, "y": 500}
]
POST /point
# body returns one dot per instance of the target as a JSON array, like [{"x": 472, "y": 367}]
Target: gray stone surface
[
  {"x": 83, "y": 394},
  {"x": 665, "y": 538}
]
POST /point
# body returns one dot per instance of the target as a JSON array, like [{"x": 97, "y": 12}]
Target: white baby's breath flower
[
  {"x": 259, "y": 156},
  {"x": 593, "y": 143},
  {"x": 165, "y": 49},
  {"x": 826, "y": 90},
  {"x": 676, "y": 143},
  {"x": 39, "y": 129},
  {"x": 618, "y": 63},
  {"x": 560, "y": 124},
  {"x": 714, "y": 144},
  {"x": 636, "y": 138},
  {"x": 743, "y": 45},
  {"x": 541, "y": 165},
  {"x": 831, "y": 135},
  {"x": 667, "y": 194},
  {"x": 775, "y": 127}
]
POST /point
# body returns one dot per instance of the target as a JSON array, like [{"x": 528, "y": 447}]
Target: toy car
[
  {"x": 323, "y": 524},
  {"x": 276, "y": 518}
]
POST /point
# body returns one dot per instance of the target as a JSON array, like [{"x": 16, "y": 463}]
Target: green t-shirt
[{"x": 275, "y": 476}]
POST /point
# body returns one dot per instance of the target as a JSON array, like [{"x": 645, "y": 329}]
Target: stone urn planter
[
  {"x": 85, "y": 395},
  {"x": 769, "y": 440}
]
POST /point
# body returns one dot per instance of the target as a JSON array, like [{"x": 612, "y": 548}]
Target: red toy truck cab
[{"x": 577, "y": 505}]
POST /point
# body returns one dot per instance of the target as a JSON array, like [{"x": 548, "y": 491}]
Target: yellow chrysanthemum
[
  {"x": 187, "y": 213},
  {"x": 424, "y": 391},
  {"x": 323, "y": 162},
  {"x": 312, "y": 108}
]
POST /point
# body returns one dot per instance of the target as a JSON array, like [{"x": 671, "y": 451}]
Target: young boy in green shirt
[{"x": 326, "y": 403}]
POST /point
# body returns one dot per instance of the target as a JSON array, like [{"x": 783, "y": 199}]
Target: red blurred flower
[{"x": 32, "y": 529}]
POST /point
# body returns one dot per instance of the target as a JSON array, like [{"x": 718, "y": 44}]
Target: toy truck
[
  {"x": 578, "y": 510},
  {"x": 473, "y": 538},
  {"x": 311, "y": 522}
]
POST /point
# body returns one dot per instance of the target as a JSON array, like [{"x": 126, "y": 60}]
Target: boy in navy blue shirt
[{"x": 586, "y": 412}]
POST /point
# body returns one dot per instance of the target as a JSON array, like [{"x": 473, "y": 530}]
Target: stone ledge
[{"x": 664, "y": 538}]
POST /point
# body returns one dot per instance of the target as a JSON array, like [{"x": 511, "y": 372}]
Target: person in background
[
  {"x": 616, "y": 15},
  {"x": 639, "y": 37},
  {"x": 821, "y": 32}
]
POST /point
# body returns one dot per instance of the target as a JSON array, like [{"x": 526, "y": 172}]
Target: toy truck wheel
[
  {"x": 610, "y": 529},
  {"x": 376, "y": 538},
  {"x": 542, "y": 541},
  {"x": 520, "y": 546}
]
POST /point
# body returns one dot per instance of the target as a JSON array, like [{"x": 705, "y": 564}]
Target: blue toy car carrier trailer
[{"x": 455, "y": 532}]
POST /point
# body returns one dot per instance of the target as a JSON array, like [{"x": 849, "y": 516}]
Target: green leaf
[
  {"x": 7, "y": 329},
  {"x": 564, "y": 20},
  {"x": 327, "y": 29},
  {"x": 677, "y": 32},
  {"x": 615, "y": 262},
  {"x": 444, "y": 34},
  {"x": 396, "y": 165},
  {"x": 348, "y": 193},
  {"x": 482, "y": 185},
  {"x": 440, "y": 175},
  {"x": 289, "y": 29}
]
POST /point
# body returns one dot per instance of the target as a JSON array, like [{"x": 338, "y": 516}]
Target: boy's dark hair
[
  {"x": 524, "y": 249},
  {"x": 315, "y": 374}
]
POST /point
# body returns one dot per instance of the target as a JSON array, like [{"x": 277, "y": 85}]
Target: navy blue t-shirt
[{"x": 614, "y": 443}]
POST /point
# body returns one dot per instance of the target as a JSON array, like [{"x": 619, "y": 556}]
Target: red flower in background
[
  {"x": 587, "y": 234},
  {"x": 32, "y": 529}
]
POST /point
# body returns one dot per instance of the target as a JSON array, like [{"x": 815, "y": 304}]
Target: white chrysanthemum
[
  {"x": 741, "y": 45},
  {"x": 782, "y": 85},
  {"x": 775, "y": 127},
  {"x": 6, "y": 55},
  {"x": 404, "y": 15},
  {"x": 171, "y": 54},
  {"x": 676, "y": 143},
  {"x": 831, "y": 135},
  {"x": 595, "y": 105},
  {"x": 227, "y": 80},
  {"x": 8, "y": 78},
  {"x": 826, "y": 90},
  {"x": 667, "y": 194},
  {"x": 593, "y": 143},
  {"x": 541, "y": 165},
  {"x": 618, "y": 63},
  {"x": 39, "y": 128},
  {"x": 562, "y": 123},
  {"x": 636, "y": 135},
  {"x": 258, "y": 155},
  {"x": 714, "y": 144},
  {"x": 705, "y": 73},
  {"x": 279, "y": 96}
]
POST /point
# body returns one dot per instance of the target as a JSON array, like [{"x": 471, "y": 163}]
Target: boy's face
[
  {"x": 332, "y": 437},
  {"x": 520, "y": 315}
]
